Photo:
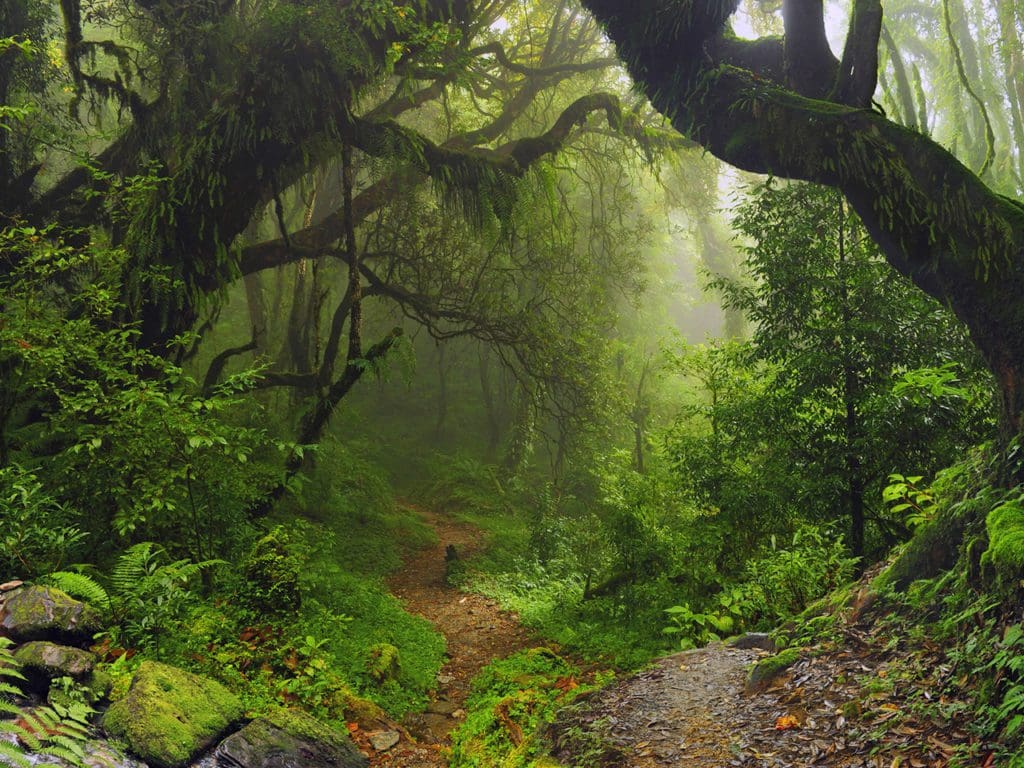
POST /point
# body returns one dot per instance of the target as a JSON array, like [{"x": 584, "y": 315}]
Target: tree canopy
[{"x": 786, "y": 105}]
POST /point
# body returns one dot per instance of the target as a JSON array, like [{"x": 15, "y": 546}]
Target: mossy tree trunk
[{"x": 786, "y": 106}]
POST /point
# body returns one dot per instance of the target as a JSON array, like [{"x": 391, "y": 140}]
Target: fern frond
[
  {"x": 13, "y": 755},
  {"x": 26, "y": 737},
  {"x": 63, "y": 747},
  {"x": 133, "y": 567},
  {"x": 36, "y": 724},
  {"x": 81, "y": 586},
  {"x": 10, "y": 674}
]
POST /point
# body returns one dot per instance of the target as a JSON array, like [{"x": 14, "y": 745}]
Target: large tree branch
[
  {"x": 315, "y": 421},
  {"x": 219, "y": 363},
  {"x": 497, "y": 50},
  {"x": 429, "y": 159},
  {"x": 934, "y": 219},
  {"x": 810, "y": 65}
]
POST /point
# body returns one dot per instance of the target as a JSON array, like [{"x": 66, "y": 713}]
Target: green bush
[{"x": 38, "y": 534}]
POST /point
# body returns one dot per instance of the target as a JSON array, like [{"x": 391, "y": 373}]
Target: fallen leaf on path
[
  {"x": 566, "y": 684},
  {"x": 786, "y": 723}
]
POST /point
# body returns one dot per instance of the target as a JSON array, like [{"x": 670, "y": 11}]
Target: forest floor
[
  {"x": 477, "y": 631},
  {"x": 864, "y": 698}
]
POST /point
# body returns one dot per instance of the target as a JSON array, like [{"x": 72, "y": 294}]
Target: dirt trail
[
  {"x": 680, "y": 712},
  {"x": 478, "y": 631},
  {"x": 838, "y": 707}
]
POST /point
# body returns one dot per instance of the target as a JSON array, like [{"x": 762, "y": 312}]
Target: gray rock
[
  {"x": 754, "y": 641},
  {"x": 441, "y": 707},
  {"x": 55, "y": 660},
  {"x": 46, "y": 613},
  {"x": 384, "y": 740},
  {"x": 288, "y": 739},
  {"x": 96, "y": 754}
]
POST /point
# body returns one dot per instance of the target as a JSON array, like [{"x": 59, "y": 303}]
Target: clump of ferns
[{"x": 48, "y": 730}]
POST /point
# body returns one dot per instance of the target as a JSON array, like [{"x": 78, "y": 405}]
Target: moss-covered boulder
[
  {"x": 1005, "y": 553},
  {"x": 46, "y": 613},
  {"x": 55, "y": 660},
  {"x": 766, "y": 670},
  {"x": 170, "y": 715},
  {"x": 289, "y": 739}
]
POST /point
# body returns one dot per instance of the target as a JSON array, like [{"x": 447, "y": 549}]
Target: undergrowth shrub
[
  {"x": 38, "y": 533},
  {"x": 464, "y": 484},
  {"x": 784, "y": 580},
  {"x": 512, "y": 702}
]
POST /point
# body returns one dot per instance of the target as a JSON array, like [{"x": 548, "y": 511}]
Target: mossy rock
[
  {"x": 1005, "y": 553},
  {"x": 384, "y": 663},
  {"x": 99, "y": 684},
  {"x": 170, "y": 715},
  {"x": 766, "y": 670},
  {"x": 284, "y": 738},
  {"x": 47, "y": 613},
  {"x": 933, "y": 549},
  {"x": 55, "y": 660},
  {"x": 363, "y": 711}
]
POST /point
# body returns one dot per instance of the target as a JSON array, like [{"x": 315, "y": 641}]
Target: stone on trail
[
  {"x": 760, "y": 641},
  {"x": 384, "y": 740},
  {"x": 765, "y": 671}
]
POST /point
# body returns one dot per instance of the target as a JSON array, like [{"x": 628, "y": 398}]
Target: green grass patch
[{"x": 512, "y": 702}]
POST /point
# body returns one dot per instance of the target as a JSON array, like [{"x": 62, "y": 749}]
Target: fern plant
[
  {"x": 82, "y": 586},
  {"x": 148, "y": 594},
  {"x": 52, "y": 730}
]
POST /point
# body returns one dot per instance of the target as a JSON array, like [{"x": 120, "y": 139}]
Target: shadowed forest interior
[{"x": 511, "y": 383}]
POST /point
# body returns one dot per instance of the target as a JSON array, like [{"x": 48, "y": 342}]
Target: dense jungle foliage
[{"x": 694, "y": 319}]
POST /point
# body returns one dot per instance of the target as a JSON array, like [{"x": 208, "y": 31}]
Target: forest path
[
  {"x": 844, "y": 704},
  {"x": 477, "y": 630}
]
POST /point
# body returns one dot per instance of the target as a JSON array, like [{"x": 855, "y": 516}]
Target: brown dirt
[{"x": 478, "y": 631}]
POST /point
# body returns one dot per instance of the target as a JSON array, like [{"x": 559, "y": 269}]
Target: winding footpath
[
  {"x": 477, "y": 631},
  {"x": 839, "y": 706}
]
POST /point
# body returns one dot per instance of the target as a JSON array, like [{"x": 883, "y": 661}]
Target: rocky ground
[
  {"x": 861, "y": 693},
  {"x": 858, "y": 697},
  {"x": 842, "y": 704}
]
